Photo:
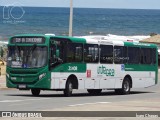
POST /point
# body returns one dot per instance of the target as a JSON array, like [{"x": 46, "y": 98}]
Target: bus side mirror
[{"x": 57, "y": 53}]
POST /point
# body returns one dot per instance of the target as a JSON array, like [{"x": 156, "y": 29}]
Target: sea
[{"x": 86, "y": 21}]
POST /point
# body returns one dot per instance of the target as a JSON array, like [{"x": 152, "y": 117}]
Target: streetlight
[{"x": 71, "y": 18}]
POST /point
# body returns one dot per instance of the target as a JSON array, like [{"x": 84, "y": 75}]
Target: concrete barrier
[
  {"x": 2, "y": 81},
  {"x": 2, "y": 70},
  {"x": 2, "y": 76}
]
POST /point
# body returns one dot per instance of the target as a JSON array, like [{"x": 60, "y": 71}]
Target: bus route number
[{"x": 72, "y": 68}]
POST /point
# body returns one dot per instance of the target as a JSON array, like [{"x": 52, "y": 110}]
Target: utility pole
[{"x": 71, "y": 18}]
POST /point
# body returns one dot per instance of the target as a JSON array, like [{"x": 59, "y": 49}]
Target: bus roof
[
  {"x": 89, "y": 40},
  {"x": 73, "y": 39},
  {"x": 115, "y": 42}
]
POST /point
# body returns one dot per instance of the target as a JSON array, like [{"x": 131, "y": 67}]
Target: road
[{"x": 139, "y": 99}]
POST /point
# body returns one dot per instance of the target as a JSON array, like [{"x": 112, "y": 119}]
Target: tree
[{"x": 1, "y": 52}]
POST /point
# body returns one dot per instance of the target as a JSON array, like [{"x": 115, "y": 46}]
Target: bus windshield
[{"x": 27, "y": 56}]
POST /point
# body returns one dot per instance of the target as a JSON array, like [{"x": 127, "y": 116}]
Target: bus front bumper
[{"x": 41, "y": 84}]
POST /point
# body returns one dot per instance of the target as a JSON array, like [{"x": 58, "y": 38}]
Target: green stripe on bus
[
  {"x": 134, "y": 44},
  {"x": 71, "y": 67},
  {"x": 141, "y": 67}
]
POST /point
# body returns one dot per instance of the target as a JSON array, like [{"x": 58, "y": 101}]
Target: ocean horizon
[
  {"x": 84, "y": 7},
  {"x": 86, "y": 21}
]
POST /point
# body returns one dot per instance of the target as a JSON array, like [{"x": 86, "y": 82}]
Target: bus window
[
  {"x": 120, "y": 54},
  {"x": 57, "y": 45},
  {"x": 91, "y": 53},
  {"x": 133, "y": 55},
  {"x": 27, "y": 56},
  {"x": 106, "y": 54},
  {"x": 74, "y": 52},
  {"x": 146, "y": 55},
  {"x": 153, "y": 56},
  {"x": 52, "y": 53}
]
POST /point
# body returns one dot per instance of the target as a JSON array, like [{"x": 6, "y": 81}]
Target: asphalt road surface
[{"x": 15, "y": 100}]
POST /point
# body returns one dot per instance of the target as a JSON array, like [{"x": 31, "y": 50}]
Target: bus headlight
[
  {"x": 42, "y": 75},
  {"x": 7, "y": 75}
]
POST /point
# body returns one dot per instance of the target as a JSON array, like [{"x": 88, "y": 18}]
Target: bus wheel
[
  {"x": 94, "y": 91},
  {"x": 126, "y": 86},
  {"x": 35, "y": 92},
  {"x": 68, "y": 90}
]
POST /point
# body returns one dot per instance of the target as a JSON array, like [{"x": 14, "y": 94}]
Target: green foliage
[{"x": 153, "y": 34}]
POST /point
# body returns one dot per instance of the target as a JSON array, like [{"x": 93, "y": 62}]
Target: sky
[{"x": 128, "y": 4}]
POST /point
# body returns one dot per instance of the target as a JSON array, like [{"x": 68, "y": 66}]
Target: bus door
[{"x": 106, "y": 68}]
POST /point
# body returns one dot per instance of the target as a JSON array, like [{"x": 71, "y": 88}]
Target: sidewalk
[
  {"x": 2, "y": 81},
  {"x": 3, "y": 77}
]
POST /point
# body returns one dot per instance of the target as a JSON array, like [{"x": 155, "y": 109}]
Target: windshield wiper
[
  {"x": 33, "y": 47},
  {"x": 30, "y": 52},
  {"x": 18, "y": 52}
]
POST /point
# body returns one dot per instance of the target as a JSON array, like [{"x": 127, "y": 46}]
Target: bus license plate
[{"x": 22, "y": 86}]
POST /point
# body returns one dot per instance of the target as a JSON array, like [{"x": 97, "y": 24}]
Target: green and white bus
[{"x": 46, "y": 62}]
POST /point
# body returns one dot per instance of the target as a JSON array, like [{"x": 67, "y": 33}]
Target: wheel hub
[
  {"x": 126, "y": 86},
  {"x": 70, "y": 87}
]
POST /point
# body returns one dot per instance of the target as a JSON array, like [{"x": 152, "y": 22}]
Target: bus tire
[
  {"x": 68, "y": 90},
  {"x": 35, "y": 92},
  {"x": 94, "y": 91},
  {"x": 126, "y": 86}
]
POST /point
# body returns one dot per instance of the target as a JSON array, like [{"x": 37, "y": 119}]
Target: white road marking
[
  {"x": 3, "y": 101},
  {"x": 14, "y": 104},
  {"x": 88, "y": 104},
  {"x": 39, "y": 99},
  {"x": 6, "y": 101}
]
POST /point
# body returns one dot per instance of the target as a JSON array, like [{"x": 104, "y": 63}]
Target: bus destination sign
[{"x": 30, "y": 40}]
